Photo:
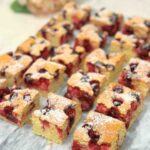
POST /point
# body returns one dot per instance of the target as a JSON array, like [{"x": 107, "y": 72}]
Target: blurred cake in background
[{"x": 39, "y": 7}]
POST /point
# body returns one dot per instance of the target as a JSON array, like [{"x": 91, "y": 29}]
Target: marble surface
[{"x": 14, "y": 28}]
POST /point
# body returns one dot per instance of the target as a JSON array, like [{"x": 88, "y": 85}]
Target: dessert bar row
[
  {"x": 118, "y": 101},
  {"x": 39, "y": 65},
  {"x": 131, "y": 35}
]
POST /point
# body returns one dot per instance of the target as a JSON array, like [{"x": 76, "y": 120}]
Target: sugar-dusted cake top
[
  {"x": 15, "y": 64},
  {"x": 104, "y": 127},
  {"x": 44, "y": 69},
  {"x": 34, "y": 46},
  {"x": 119, "y": 96},
  {"x": 84, "y": 81},
  {"x": 106, "y": 62},
  {"x": 126, "y": 39},
  {"x": 54, "y": 112},
  {"x": 18, "y": 99},
  {"x": 106, "y": 16},
  {"x": 139, "y": 70}
]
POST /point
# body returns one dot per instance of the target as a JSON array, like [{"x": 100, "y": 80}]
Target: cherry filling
[
  {"x": 94, "y": 136},
  {"x": 86, "y": 44},
  {"x": 45, "y": 53},
  {"x": 143, "y": 51},
  {"x": 69, "y": 68},
  {"x": 45, "y": 124},
  {"x": 127, "y": 30},
  {"x": 96, "y": 87},
  {"x": 126, "y": 79},
  {"x": 104, "y": 39},
  {"x": 112, "y": 29},
  {"x": 97, "y": 67},
  {"x": 3, "y": 71},
  {"x": 77, "y": 146},
  {"x": 79, "y": 23},
  {"x": 42, "y": 83},
  {"x": 101, "y": 108},
  {"x": 69, "y": 29},
  {"x": 8, "y": 113},
  {"x": 70, "y": 112},
  {"x": 85, "y": 99},
  {"x": 148, "y": 74},
  {"x": 4, "y": 92},
  {"x": 66, "y": 38}
]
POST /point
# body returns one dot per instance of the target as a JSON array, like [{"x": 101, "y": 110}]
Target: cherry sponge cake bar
[
  {"x": 68, "y": 57},
  {"x": 90, "y": 39},
  {"x": 127, "y": 44},
  {"x": 12, "y": 67},
  {"x": 44, "y": 76},
  {"x": 57, "y": 118},
  {"x": 35, "y": 47},
  {"x": 78, "y": 15},
  {"x": 121, "y": 103},
  {"x": 107, "y": 64},
  {"x": 138, "y": 26},
  {"x": 99, "y": 132},
  {"x": 85, "y": 87},
  {"x": 136, "y": 75},
  {"x": 107, "y": 20},
  {"x": 57, "y": 32},
  {"x": 17, "y": 104}
]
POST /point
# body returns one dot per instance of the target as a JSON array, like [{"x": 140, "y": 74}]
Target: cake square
[
  {"x": 90, "y": 40},
  {"x": 56, "y": 120},
  {"x": 35, "y": 47},
  {"x": 136, "y": 75},
  {"x": 67, "y": 49},
  {"x": 57, "y": 32},
  {"x": 127, "y": 44},
  {"x": 121, "y": 103},
  {"x": 44, "y": 76},
  {"x": 12, "y": 67},
  {"x": 69, "y": 57},
  {"x": 99, "y": 132},
  {"x": 108, "y": 64},
  {"x": 17, "y": 104},
  {"x": 85, "y": 87},
  {"x": 107, "y": 20},
  {"x": 138, "y": 26},
  {"x": 89, "y": 27},
  {"x": 78, "y": 15},
  {"x": 143, "y": 51}
]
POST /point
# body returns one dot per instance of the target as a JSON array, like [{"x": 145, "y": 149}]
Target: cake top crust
[
  {"x": 104, "y": 61},
  {"x": 54, "y": 112},
  {"x": 34, "y": 46},
  {"x": 84, "y": 81},
  {"x": 141, "y": 70},
  {"x": 106, "y": 127},
  {"x": 119, "y": 96},
  {"x": 44, "y": 69},
  {"x": 19, "y": 99}
]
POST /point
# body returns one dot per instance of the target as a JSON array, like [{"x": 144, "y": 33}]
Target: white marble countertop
[{"x": 14, "y": 28}]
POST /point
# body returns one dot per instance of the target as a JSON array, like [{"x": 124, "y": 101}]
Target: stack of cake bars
[{"x": 40, "y": 65}]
